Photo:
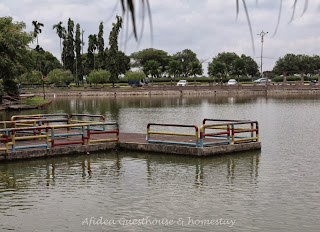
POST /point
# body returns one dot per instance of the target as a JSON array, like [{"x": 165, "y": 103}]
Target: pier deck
[
  {"x": 129, "y": 142},
  {"x": 44, "y": 135}
]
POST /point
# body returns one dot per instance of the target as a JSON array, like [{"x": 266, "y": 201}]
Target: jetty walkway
[{"x": 44, "y": 135}]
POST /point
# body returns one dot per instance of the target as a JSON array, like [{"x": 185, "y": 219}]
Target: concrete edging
[{"x": 144, "y": 147}]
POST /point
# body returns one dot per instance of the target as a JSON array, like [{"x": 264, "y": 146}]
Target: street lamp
[{"x": 262, "y": 34}]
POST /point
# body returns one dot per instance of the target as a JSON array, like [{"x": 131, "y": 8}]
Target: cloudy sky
[{"x": 207, "y": 27}]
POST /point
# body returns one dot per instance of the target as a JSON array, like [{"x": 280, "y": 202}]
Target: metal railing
[
  {"x": 173, "y": 134},
  {"x": 42, "y": 136},
  {"x": 228, "y": 131},
  {"x": 101, "y": 118},
  {"x": 93, "y": 130}
]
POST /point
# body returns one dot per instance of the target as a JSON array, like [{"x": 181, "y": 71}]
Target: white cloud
[{"x": 205, "y": 26}]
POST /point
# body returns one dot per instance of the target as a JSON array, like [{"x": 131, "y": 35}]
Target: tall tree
[
  {"x": 43, "y": 61},
  {"x": 69, "y": 47},
  {"x": 217, "y": 69},
  {"x": 37, "y": 29},
  {"x": 113, "y": 50},
  {"x": 251, "y": 66},
  {"x": 228, "y": 59},
  {"x": 238, "y": 67},
  {"x": 79, "y": 67},
  {"x": 142, "y": 57},
  {"x": 287, "y": 64},
  {"x": 101, "y": 54},
  {"x": 185, "y": 57},
  {"x": 195, "y": 68},
  {"x": 61, "y": 32},
  {"x": 92, "y": 46},
  {"x": 175, "y": 68},
  {"x": 14, "y": 53},
  {"x": 152, "y": 67}
]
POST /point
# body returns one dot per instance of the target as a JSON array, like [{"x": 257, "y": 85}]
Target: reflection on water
[
  {"x": 112, "y": 178},
  {"x": 111, "y": 106},
  {"x": 15, "y": 175},
  {"x": 269, "y": 190}
]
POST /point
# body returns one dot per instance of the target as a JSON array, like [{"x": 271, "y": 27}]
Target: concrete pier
[{"x": 128, "y": 142}]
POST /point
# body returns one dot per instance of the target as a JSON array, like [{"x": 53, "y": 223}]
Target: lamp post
[{"x": 262, "y": 34}]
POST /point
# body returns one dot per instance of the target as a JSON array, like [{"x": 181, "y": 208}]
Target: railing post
[
  {"x": 83, "y": 131},
  {"x": 104, "y": 120},
  {"x": 228, "y": 130},
  {"x": 202, "y": 131},
  {"x": 251, "y": 130},
  {"x": 118, "y": 131},
  {"x": 7, "y": 144},
  {"x": 232, "y": 132},
  {"x": 148, "y": 134},
  {"x": 88, "y": 134},
  {"x": 52, "y": 137},
  {"x": 13, "y": 140},
  {"x": 47, "y": 138},
  {"x": 197, "y": 136},
  {"x": 257, "y": 132}
]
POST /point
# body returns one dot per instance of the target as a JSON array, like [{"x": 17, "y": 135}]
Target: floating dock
[{"x": 46, "y": 135}]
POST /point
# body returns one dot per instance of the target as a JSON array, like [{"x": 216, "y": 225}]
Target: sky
[{"x": 207, "y": 27}]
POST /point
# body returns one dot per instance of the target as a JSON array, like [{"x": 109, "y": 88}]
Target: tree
[
  {"x": 251, "y": 67},
  {"x": 217, "y": 68},
  {"x": 15, "y": 58},
  {"x": 79, "y": 67},
  {"x": 175, "y": 68},
  {"x": 37, "y": 29},
  {"x": 43, "y": 61},
  {"x": 34, "y": 77},
  {"x": 195, "y": 68},
  {"x": 238, "y": 67},
  {"x": 138, "y": 75},
  {"x": 92, "y": 46},
  {"x": 60, "y": 31},
  {"x": 99, "y": 76},
  {"x": 287, "y": 64},
  {"x": 100, "y": 45},
  {"x": 113, "y": 42},
  {"x": 185, "y": 57},
  {"x": 227, "y": 58},
  {"x": 123, "y": 62},
  {"x": 59, "y": 76},
  {"x": 152, "y": 67},
  {"x": 69, "y": 47},
  {"x": 142, "y": 57}
]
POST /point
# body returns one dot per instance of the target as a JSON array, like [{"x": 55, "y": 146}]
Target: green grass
[{"x": 34, "y": 100}]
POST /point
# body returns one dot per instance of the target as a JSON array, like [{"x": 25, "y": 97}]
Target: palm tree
[
  {"x": 37, "y": 29},
  {"x": 60, "y": 31}
]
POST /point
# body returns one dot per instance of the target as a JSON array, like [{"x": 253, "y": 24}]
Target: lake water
[{"x": 275, "y": 189}]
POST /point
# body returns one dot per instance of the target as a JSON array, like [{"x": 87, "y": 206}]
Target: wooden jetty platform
[{"x": 78, "y": 136}]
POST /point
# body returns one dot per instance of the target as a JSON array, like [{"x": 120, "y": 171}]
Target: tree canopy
[
  {"x": 14, "y": 52},
  {"x": 114, "y": 62},
  {"x": 185, "y": 57},
  {"x": 229, "y": 63},
  {"x": 291, "y": 64}
]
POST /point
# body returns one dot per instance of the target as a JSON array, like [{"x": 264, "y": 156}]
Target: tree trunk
[{"x": 302, "y": 79}]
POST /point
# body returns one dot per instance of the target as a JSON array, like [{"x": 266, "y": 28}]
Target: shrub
[
  {"x": 59, "y": 76},
  {"x": 99, "y": 76},
  {"x": 289, "y": 78},
  {"x": 130, "y": 75},
  {"x": 31, "y": 78}
]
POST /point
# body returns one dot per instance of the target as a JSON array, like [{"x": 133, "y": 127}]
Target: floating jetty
[{"x": 45, "y": 135}]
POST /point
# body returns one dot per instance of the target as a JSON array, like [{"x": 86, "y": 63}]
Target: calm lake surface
[{"x": 275, "y": 189}]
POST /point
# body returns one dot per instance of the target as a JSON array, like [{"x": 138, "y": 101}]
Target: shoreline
[{"x": 189, "y": 91}]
